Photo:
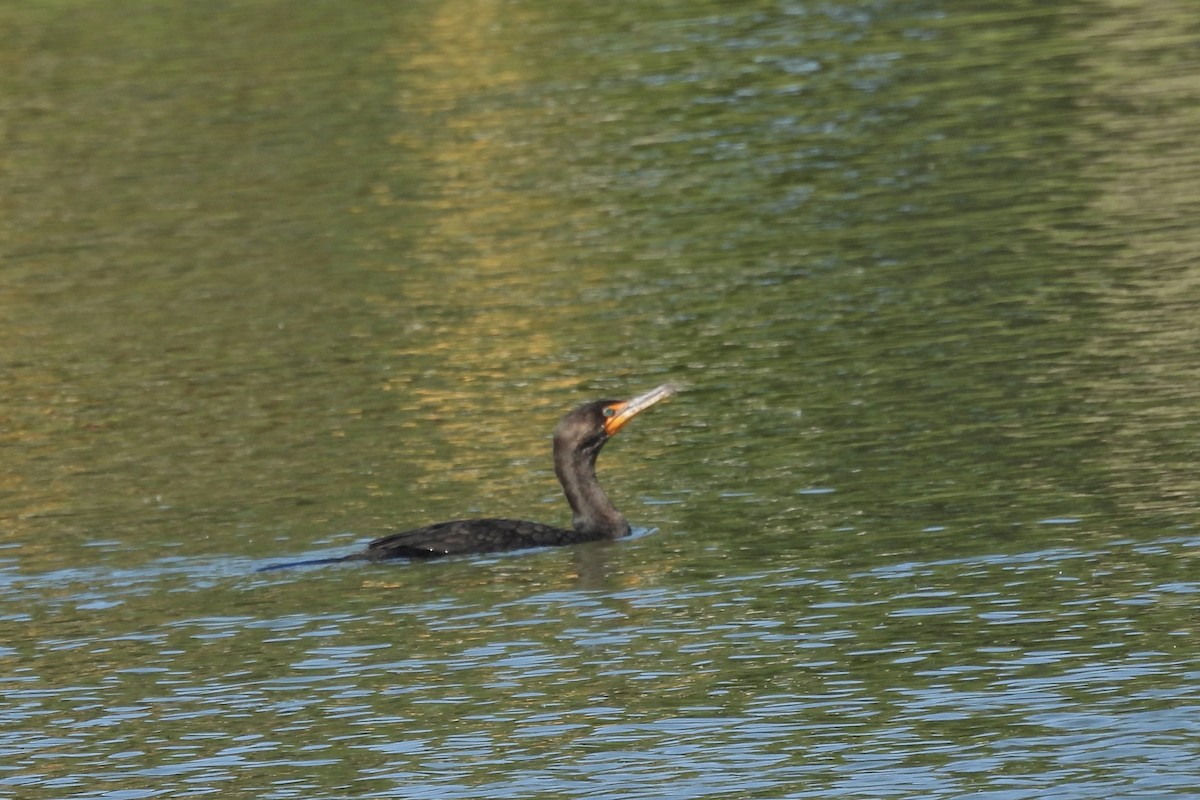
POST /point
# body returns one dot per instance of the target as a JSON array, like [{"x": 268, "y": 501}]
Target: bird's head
[{"x": 589, "y": 426}]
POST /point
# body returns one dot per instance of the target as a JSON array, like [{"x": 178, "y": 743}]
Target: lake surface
[{"x": 278, "y": 278}]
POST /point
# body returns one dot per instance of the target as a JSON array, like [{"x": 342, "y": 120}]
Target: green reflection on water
[{"x": 876, "y": 246}]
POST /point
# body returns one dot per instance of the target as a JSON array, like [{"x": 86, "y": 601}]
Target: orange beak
[{"x": 631, "y": 408}]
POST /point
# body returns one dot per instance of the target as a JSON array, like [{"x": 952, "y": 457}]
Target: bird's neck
[{"x": 593, "y": 512}]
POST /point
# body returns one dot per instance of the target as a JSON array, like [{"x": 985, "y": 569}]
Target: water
[{"x": 278, "y": 279}]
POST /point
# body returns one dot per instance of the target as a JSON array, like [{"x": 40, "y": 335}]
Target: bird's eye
[{"x": 609, "y": 411}]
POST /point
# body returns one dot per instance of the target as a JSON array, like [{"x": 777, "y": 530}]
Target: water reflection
[
  {"x": 923, "y": 523},
  {"x": 946, "y": 675},
  {"x": 1149, "y": 183}
]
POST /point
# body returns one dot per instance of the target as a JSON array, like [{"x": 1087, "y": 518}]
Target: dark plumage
[
  {"x": 578, "y": 439},
  {"x": 472, "y": 536}
]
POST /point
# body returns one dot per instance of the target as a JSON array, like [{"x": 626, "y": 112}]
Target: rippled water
[
  {"x": 278, "y": 278},
  {"x": 1062, "y": 670}
]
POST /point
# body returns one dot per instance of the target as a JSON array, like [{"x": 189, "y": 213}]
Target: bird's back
[{"x": 471, "y": 536}]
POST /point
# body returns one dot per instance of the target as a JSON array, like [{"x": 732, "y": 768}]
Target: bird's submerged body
[
  {"x": 578, "y": 440},
  {"x": 462, "y": 536}
]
